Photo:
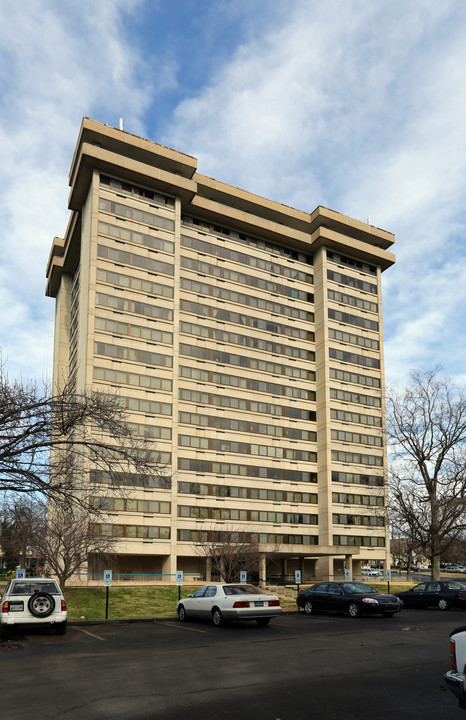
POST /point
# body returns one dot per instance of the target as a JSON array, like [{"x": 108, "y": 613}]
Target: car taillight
[
  {"x": 5, "y": 607},
  {"x": 63, "y": 605},
  {"x": 462, "y": 594},
  {"x": 452, "y": 655},
  {"x": 274, "y": 603},
  {"x": 241, "y": 603}
]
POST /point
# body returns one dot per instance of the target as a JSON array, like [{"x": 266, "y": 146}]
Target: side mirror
[{"x": 189, "y": 595}]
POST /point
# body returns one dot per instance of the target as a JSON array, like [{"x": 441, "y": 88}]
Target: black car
[
  {"x": 354, "y": 598},
  {"x": 439, "y": 593}
]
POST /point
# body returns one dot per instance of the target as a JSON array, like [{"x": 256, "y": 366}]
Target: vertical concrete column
[
  {"x": 208, "y": 569},
  {"x": 262, "y": 569},
  {"x": 349, "y": 565},
  {"x": 169, "y": 567}
]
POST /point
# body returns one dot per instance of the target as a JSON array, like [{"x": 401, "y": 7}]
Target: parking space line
[
  {"x": 183, "y": 627},
  {"x": 89, "y": 633}
]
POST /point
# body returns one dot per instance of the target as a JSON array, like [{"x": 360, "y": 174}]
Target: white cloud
[
  {"x": 60, "y": 61},
  {"x": 362, "y": 108}
]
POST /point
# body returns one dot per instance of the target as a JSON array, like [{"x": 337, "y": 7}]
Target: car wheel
[
  {"x": 354, "y": 610},
  {"x": 182, "y": 613},
  {"x": 442, "y": 604},
  {"x": 262, "y": 622},
  {"x": 308, "y": 607},
  {"x": 60, "y": 628},
  {"x": 217, "y": 618},
  {"x": 41, "y": 604}
]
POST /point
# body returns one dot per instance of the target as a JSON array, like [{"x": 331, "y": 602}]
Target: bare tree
[
  {"x": 61, "y": 536},
  {"x": 51, "y": 440},
  {"x": 427, "y": 429},
  {"x": 229, "y": 551},
  {"x": 18, "y": 518}
]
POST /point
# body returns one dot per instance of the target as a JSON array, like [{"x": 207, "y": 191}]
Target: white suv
[{"x": 32, "y": 601}]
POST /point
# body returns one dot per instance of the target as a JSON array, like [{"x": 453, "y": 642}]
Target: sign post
[
  {"x": 179, "y": 582},
  {"x": 388, "y": 574},
  {"x": 107, "y": 584},
  {"x": 297, "y": 579}
]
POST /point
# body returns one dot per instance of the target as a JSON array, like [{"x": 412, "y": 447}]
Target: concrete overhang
[
  {"x": 64, "y": 255},
  {"x": 323, "y": 217},
  {"x": 90, "y": 157},
  {"x": 324, "y": 237},
  {"x": 133, "y": 147},
  {"x": 228, "y": 196}
]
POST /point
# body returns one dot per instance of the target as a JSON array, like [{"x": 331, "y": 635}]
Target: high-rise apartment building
[{"x": 246, "y": 339}]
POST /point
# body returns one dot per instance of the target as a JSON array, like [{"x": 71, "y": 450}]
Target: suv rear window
[{"x": 27, "y": 587}]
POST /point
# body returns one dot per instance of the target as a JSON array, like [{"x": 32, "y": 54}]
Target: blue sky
[{"x": 359, "y": 106}]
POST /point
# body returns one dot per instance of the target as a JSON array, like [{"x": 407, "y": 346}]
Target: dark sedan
[
  {"x": 354, "y": 598},
  {"x": 442, "y": 594}
]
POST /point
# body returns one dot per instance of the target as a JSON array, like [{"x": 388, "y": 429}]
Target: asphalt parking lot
[{"x": 322, "y": 667}]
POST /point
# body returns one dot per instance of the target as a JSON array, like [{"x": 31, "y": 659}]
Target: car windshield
[
  {"x": 27, "y": 587},
  {"x": 241, "y": 590},
  {"x": 357, "y": 588}
]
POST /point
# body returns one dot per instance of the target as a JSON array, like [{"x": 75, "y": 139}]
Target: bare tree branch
[{"x": 427, "y": 431}]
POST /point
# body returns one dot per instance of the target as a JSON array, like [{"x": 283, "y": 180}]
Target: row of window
[
  {"x": 150, "y": 431},
  {"x": 243, "y": 299},
  {"x": 357, "y": 541},
  {"x": 353, "y": 358},
  {"x": 357, "y": 458},
  {"x": 349, "y": 319},
  {"x": 222, "y": 379},
  {"x": 133, "y": 355},
  {"x": 352, "y": 300},
  {"x": 126, "y": 505},
  {"x": 351, "y": 282},
  {"x": 359, "y": 438},
  {"x": 253, "y": 242},
  {"x": 269, "y": 326},
  {"x": 152, "y": 407},
  {"x": 128, "y": 258},
  {"x": 235, "y": 256},
  {"x": 369, "y": 520},
  {"x": 352, "y": 417},
  {"x": 352, "y": 339},
  {"x": 349, "y": 499},
  {"x": 132, "y": 213},
  {"x": 132, "y": 283},
  {"x": 231, "y": 446},
  {"x": 357, "y": 479},
  {"x": 123, "y": 377},
  {"x": 351, "y": 397},
  {"x": 134, "y": 331},
  {"x": 139, "y": 238},
  {"x": 212, "y": 513},
  {"x": 161, "y": 482},
  {"x": 243, "y": 360},
  {"x": 132, "y": 531},
  {"x": 250, "y": 493},
  {"x": 233, "y": 276},
  {"x": 352, "y": 377},
  {"x": 351, "y": 262},
  {"x": 244, "y": 340},
  {"x": 226, "y": 423},
  {"x": 252, "y": 471},
  {"x": 132, "y": 306},
  {"x": 226, "y": 401},
  {"x": 203, "y": 536},
  {"x": 138, "y": 192}
]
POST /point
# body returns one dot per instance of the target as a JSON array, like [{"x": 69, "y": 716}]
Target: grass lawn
[{"x": 151, "y": 602}]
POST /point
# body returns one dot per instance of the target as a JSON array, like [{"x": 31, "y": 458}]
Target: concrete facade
[{"x": 246, "y": 337}]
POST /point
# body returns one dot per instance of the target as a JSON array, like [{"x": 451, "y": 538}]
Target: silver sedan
[{"x": 222, "y": 602}]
